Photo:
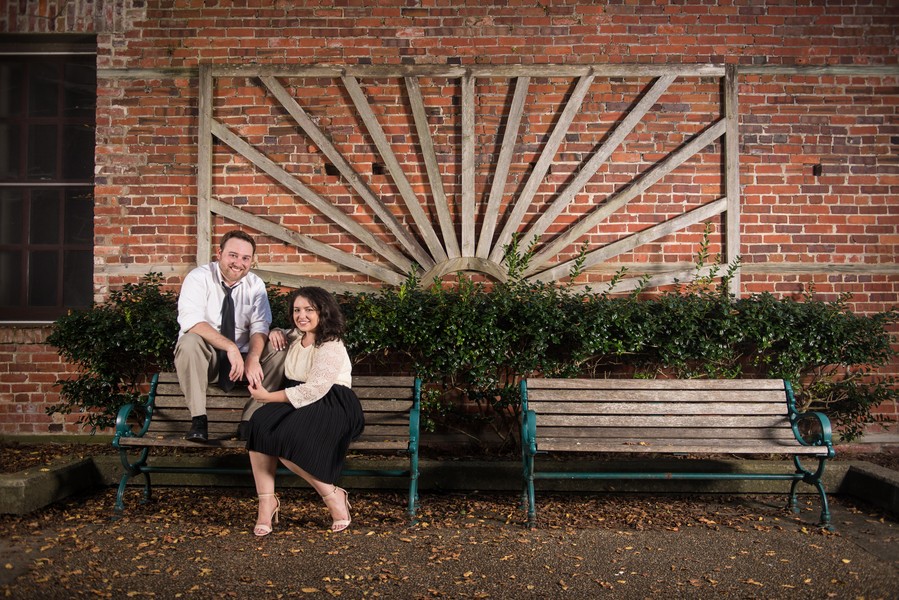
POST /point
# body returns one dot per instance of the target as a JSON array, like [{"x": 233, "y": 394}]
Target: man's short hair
[{"x": 241, "y": 235}]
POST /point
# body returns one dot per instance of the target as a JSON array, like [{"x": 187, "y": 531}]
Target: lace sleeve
[{"x": 322, "y": 375}]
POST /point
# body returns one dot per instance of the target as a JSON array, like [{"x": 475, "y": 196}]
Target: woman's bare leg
[
  {"x": 264, "y": 467},
  {"x": 336, "y": 502}
]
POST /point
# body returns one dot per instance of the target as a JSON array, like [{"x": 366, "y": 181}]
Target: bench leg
[
  {"x": 812, "y": 478},
  {"x": 527, "y": 495},
  {"x": 412, "y": 510},
  {"x": 132, "y": 469}
]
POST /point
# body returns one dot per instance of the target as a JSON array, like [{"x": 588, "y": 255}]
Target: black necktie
[{"x": 228, "y": 331}]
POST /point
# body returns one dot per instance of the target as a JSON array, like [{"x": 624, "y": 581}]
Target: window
[{"x": 47, "y": 123}]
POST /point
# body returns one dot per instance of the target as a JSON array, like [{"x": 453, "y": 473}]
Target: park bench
[
  {"x": 390, "y": 405},
  {"x": 692, "y": 417}
]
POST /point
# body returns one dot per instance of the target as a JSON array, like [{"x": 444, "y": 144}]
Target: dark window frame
[{"x": 48, "y": 271}]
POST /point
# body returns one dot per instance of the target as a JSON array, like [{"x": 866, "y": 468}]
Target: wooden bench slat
[
  {"x": 537, "y": 383},
  {"x": 653, "y": 408},
  {"x": 659, "y": 421},
  {"x": 619, "y": 395},
  {"x": 686, "y": 433},
  {"x": 677, "y": 447}
]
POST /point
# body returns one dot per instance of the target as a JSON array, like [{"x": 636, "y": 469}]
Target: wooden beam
[
  {"x": 468, "y": 202},
  {"x": 457, "y": 72},
  {"x": 732, "y": 174},
  {"x": 204, "y": 166},
  {"x": 501, "y": 174},
  {"x": 325, "y": 251},
  {"x": 600, "y": 214},
  {"x": 336, "y": 215},
  {"x": 464, "y": 263},
  {"x": 599, "y": 158},
  {"x": 515, "y": 218},
  {"x": 450, "y": 241},
  {"x": 396, "y": 171},
  {"x": 346, "y": 170},
  {"x": 297, "y": 281},
  {"x": 626, "y": 244}
]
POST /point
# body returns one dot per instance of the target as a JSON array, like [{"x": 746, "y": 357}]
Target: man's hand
[
  {"x": 236, "y": 360},
  {"x": 253, "y": 370}
]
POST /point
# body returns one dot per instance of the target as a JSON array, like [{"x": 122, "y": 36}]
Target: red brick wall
[{"x": 837, "y": 230}]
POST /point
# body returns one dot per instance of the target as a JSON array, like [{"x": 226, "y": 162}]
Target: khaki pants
[{"x": 196, "y": 363}]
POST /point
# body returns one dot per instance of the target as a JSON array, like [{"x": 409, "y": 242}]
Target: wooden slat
[
  {"x": 725, "y": 447},
  {"x": 204, "y": 166},
  {"x": 467, "y": 165},
  {"x": 501, "y": 172},
  {"x": 385, "y": 406},
  {"x": 177, "y": 441},
  {"x": 658, "y": 421},
  {"x": 536, "y": 397},
  {"x": 435, "y": 178},
  {"x": 653, "y": 384},
  {"x": 454, "y": 72},
  {"x": 659, "y": 408},
  {"x": 691, "y": 433},
  {"x": 732, "y": 175}
]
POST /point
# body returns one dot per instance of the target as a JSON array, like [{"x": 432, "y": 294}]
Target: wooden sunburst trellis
[{"x": 470, "y": 231}]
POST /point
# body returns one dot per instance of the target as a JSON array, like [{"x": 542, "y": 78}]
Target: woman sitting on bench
[{"x": 309, "y": 425}]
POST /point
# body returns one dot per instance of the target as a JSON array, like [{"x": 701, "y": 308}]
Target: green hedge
[
  {"x": 473, "y": 342},
  {"x": 476, "y": 342}
]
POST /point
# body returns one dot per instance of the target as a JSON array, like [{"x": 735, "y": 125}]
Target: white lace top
[{"x": 318, "y": 368}]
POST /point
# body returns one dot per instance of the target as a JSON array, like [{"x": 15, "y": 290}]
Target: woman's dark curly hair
[{"x": 331, "y": 323}]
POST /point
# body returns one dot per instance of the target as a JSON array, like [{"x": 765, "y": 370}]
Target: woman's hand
[
  {"x": 278, "y": 339},
  {"x": 259, "y": 393},
  {"x": 262, "y": 395}
]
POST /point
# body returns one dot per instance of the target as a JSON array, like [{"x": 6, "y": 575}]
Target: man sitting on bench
[{"x": 224, "y": 317}]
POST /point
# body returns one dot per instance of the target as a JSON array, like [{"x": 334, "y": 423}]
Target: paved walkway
[{"x": 197, "y": 543}]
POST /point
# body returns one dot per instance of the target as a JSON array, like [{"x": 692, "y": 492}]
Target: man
[{"x": 224, "y": 317}]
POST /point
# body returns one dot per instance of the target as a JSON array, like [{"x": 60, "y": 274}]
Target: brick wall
[{"x": 819, "y": 166}]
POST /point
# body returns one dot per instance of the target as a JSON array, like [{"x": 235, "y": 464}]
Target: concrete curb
[
  {"x": 27, "y": 491},
  {"x": 873, "y": 483}
]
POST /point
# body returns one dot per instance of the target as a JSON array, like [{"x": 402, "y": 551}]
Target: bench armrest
[
  {"x": 123, "y": 428},
  {"x": 813, "y": 429},
  {"x": 415, "y": 417},
  {"x": 529, "y": 431}
]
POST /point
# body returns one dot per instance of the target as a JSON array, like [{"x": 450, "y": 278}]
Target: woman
[{"x": 309, "y": 425}]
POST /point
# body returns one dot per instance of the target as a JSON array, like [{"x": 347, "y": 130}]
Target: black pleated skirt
[{"x": 315, "y": 437}]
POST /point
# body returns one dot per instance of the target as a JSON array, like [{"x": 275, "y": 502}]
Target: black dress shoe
[
  {"x": 243, "y": 431},
  {"x": 199, "y": 430}
]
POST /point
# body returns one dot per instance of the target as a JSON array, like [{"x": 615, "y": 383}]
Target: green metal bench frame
[
  {"x": 674, "y": 417},
  {"x": 391, "y": 406}
]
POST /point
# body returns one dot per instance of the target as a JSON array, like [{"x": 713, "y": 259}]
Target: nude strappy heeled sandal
[
  {"x": 262, "y": 530},
  {"x": 341, "y": 524}
]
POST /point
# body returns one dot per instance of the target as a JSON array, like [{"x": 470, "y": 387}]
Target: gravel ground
[{"x": 197, "y": 543}]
